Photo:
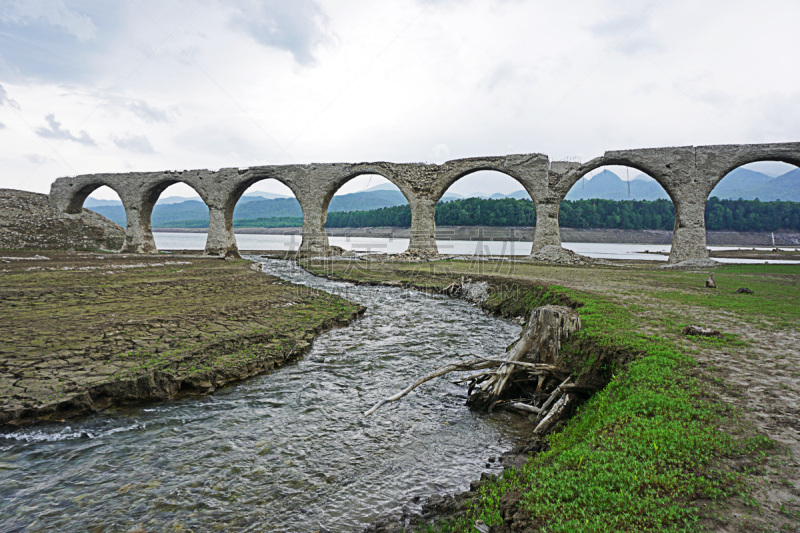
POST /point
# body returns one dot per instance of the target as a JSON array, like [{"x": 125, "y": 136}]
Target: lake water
[{"x": 249, "y": 241}]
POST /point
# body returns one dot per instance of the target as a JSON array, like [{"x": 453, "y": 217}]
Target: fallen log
[
  {"x": 554, "y": 395},
  {"x": 468, "y": 365},
  {"x": 583, "y": 390},
  {"x": 553, "y": 416},
  {"x": 525, "y": 407},
  {"x": 538, "y": 346}
]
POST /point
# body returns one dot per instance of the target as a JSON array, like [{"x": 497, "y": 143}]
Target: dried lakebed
[{"x": 285, "y": 451}]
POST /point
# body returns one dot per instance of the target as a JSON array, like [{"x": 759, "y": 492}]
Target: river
[
  {"x": 249, "y": 241},
  {"x": 285, "y": 451}
]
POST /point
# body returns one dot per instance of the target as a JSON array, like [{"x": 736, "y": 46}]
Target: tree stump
[{"x": 539, "y": 343}]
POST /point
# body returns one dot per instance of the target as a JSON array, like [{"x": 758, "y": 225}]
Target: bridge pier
[
  {"x": 221, "y": 239},
  {"x": 315, "y": 213},
  {"x": 423, "y": 226},
  {"x": 314, "y": 240},
  {"x": 689, "y": 232},
  {"x": 547, "y": 231},
  {"x": 138, "y": 232}
]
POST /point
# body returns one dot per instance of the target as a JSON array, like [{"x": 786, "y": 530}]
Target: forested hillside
[{"x": 728, "y": 215}]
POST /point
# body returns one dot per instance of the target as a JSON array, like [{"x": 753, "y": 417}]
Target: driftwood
[
  {"x": 554, "y": 415},
  {"x": 532, "y": 359},
  {"x": 525, "y": 407},
  {"x": 554, "y": 395},
  {"x": 467, "y": 365},
  {"x": 701, "y": 331},
  {"x": 582, "y": 390}
]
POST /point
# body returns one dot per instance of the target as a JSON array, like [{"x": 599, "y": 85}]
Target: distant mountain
[
  {"x": 94, "y": 202},
  {"x": 749, "y": 185},
  {"x": 608, "y": 186},
  {"x": 249, "y": 207},
  {"x": 785, "y": 187},
  {"x": 739, "y": 183},
  {"x": 521, "y": 194},
  {"x": 168, "y": 200},
  {"x": 365, "y": 201},
  {"x": 382, "y": 187},
  {"x": 264, "y": 194},
  {"x": 450, "y": 196}
]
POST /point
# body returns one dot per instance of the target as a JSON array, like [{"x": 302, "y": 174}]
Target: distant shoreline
[{"x": 525, "y": 233}]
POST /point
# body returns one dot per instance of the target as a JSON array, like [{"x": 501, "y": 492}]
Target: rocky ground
[
  {"x": 81, "y": 331},
  {"x": 28, "y": 221},
  {"x": 754, "y": 367}
]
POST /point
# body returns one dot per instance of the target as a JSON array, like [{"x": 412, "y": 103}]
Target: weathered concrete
[{"x": 688, "y": 174}]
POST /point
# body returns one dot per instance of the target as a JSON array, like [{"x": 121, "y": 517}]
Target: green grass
[
  {"x": 776, "y": 293},
  {"x": 638, "y": 455},
  {"x": 652, "y": 451}
]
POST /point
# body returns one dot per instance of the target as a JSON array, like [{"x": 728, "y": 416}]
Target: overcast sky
[{"x": 114, "y": 86}]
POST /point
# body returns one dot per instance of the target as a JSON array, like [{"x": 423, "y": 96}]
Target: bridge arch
[
  {"x": 488, "y": 182},
  {"x": 250, "y": 178},
  {"x": 288, "y": 204},
  {"x": 335, "y": 185},
  {"x": 577, "y": 172},
  {"x": 730, "y": 206},
  {"x": 747, "y": 159},
  {"x": 107, "y": 204},
  {"x": 338, "y": 190},
  {"x": 448, "y": 179},
  {"x": 616, "y": 199},
  {"x": 78, "y": 196},
  {"x": 153, "y": 191}
]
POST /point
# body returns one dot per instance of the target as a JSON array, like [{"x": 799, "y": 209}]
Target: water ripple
[{"x": 286, "y": 451}]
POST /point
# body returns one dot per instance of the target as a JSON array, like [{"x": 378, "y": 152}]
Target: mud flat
[
  {"x": 83, "y": 331},
  {"x": 692, "y": 433}
]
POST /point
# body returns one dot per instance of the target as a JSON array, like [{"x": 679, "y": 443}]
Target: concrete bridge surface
[{"x": 687, "y": 173}]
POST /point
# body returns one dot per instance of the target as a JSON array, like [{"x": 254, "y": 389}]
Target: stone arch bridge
[{"x": 688, "y": 174}]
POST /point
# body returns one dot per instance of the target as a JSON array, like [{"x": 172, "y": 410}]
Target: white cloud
[
  {"x": 297, "y": 27},
  {"x": 37, "y": 159},
  {"x": 147, "y": 112},
  {"x": 51, "y": 13},
  {"x": 214, "y": 84},
  {"x": 134, "y": 143},
  {"x": 53, "y": 130},
  {"x": 6, "y": 100}
]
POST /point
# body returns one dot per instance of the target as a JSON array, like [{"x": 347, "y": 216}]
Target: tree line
[{"x": 721, "y": 215}]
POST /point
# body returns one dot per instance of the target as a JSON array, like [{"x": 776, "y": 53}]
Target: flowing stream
[{"x": 285, "y": 451}]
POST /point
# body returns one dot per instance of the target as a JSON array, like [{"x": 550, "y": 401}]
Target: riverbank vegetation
[{"x": 670, "y": 444}]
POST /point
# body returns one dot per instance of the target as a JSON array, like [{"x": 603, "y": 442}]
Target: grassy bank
[
  {"x": 84, "y": 331},
  {"x": 671, "y": 444}
]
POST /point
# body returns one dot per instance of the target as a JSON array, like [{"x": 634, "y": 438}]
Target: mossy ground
[
  {"x": 690, "y": 434},
  {"x": 81, "y": 331}
]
